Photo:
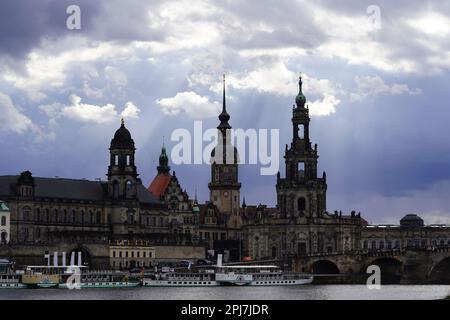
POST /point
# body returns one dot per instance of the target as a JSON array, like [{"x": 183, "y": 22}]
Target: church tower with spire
[
  {"x": 224, "y": 186},
  {"x": 122, "y": 173},
  {"x": 301, "y": 193}
]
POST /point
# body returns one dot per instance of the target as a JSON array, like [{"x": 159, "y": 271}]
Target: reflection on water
[{"x": 308, "y": 292}]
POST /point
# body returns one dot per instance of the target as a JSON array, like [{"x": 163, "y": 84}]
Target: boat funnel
[{"x": 219, "y": 260}]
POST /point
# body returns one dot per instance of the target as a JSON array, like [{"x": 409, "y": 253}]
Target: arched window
[
  {"x": 82, "y": 217},
  {"x": 3, "y": 222},
  {"x": 54, "y": 216},
  {"x": 116, "y": 159},
  {"x": 63, "y": 218},
  {"x": 98, "y": 218},
  {"x": 301, "y": 131},
  {"x": 26, "y": 212},
  {"x": 37, "y": 216},
  {"x": 4, "y": 237},
  {"x": 74, "y": 217},
  {"x": 301, "y": 169},
  {"x": 47, "y": 215},
  {"x": 91, "y": 217},
  {"x": 128, "y": 189},
  {"x": 115, "y": 189},
  {"x": 128, "y": 161},
  {"x": 301, "y": 204},
  {"x": 366, "y": 244},
  {"x": 130, "y": 218},
  {"x": 381, "y": 244},
  {"x": 374, "y": 244}
]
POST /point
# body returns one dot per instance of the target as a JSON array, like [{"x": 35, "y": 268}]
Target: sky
[{"x": 375, "y": 75}]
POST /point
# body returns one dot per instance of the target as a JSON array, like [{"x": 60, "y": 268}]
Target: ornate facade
[
  {"x": 69, "y": 213},
  {"x": 300, "y": 224}
]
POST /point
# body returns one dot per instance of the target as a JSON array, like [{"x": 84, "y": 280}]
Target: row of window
[
  {"x": 63, "y": 216},
  {"x": 128, "y": 161},
  {"x": 128, "y": 264},
  {"x": 132, "y": 254},
  {"x": 395, "y": 244},
  {"x": 215, "y": 235}
]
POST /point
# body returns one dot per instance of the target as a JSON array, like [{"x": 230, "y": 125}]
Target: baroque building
[
  {"x": 182, "y": 212},
  {"x": 300, "y": 224},
  {"x": 120, "y": 223},
  {"x": 52, "y": 212},
  {"x": 410, "y": 233}
]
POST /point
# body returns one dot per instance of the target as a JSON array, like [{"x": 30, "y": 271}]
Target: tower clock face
[{"x": 225, "y": 193}]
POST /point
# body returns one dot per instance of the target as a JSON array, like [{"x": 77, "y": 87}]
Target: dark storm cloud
[{"x": 24, "y": 23}]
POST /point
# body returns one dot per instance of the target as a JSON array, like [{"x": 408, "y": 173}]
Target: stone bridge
[{"x": 397, "y": 266}]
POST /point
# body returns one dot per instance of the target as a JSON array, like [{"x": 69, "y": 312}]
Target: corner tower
[
  {"x": 224, "y": 186},
  {"x": 122, "y": 174},
  {"x": 301, "y": 192}
]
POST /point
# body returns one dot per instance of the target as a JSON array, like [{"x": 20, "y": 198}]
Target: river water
[{"x": 306, "y": 292}]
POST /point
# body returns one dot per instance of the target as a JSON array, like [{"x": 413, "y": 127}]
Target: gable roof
[{"x": 159, "y": 185}]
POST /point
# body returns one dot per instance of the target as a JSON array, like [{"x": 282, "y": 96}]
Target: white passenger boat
[
  {"x": 259, "y": 276},
  {"x": 79, "y": 278},
  {"x": 180, "y": 279},
  {"x": 9, "y": 279},
  {"x": 222, "y": 275}
]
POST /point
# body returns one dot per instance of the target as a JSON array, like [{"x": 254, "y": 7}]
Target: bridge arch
[
  {"x": 85, "y": 255},
  {"x": 324, "y": 267},
  {"x": 391, "y": 269},
  {"x": 440, "y": 273}
]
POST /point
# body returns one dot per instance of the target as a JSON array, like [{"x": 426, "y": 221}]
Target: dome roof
[
  {"x": 411, "y": 220},
  {"x": 122, "y": 138},
  {"x": 300, "y": 99},
  {"x": 235, "y": 151}
]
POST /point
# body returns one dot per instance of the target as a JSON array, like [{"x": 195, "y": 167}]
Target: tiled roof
[{"x": 159, "y": 185}]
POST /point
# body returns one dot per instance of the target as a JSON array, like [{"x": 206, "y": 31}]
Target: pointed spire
[
  {"x": 244, "y": 204},
  {"x": 224, "y": 116},
  {"x": 195, "y": 199},
  {"x": 224, "y": 103},
  {"x": 122, "y": 122},
  {"x": 300, "y": 83},
  {"x": 163, "y": 167}
]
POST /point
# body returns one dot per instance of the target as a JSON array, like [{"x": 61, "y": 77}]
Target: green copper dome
[{"x": 300, "y": 99}]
